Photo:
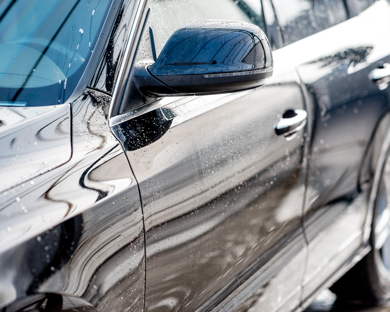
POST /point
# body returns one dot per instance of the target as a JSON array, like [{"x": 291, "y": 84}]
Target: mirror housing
[{"x": 209, "y": 57}]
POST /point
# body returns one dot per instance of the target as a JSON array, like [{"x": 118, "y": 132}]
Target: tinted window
[
  {"x": 170, "y": 15},
  {"x": 273, "y": 29},
  {"x": 358, "y": 6},
  {"x": 44, "y": 48},
  {"x": 302, "y": 18}
]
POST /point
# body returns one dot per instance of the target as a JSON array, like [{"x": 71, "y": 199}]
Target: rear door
[
  {"x": 335, "y": 48},
  {"x": 222, "y": 194}
]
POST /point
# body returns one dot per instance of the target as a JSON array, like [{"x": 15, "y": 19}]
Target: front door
[{"x": 222, "y": 194}]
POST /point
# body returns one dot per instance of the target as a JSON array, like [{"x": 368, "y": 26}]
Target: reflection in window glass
[
  {"x": 44, "y": 47},
  {"x": 170, "y": 15},
  {"x": 273, "y": 29},
  {"x": 360, "y": 5},
  {"x": 302, "y": 18}
]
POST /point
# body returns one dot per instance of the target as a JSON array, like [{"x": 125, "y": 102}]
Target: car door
[
  {"x": 335, "y": 55},
  {"x": 222, "y": 194}
]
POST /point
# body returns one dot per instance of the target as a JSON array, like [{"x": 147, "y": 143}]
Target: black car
[{"x": 193, "y": 155}]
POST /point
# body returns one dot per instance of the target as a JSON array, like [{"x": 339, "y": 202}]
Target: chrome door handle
[
  {"x": 380, "y": 73},
  {"x": 292, "y": 121}
]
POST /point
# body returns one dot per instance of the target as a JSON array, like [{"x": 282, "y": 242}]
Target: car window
[
  {"x": 273, "y": 29},
  {"x": 170, "y": 15},
  {"x": 302, "y": 18},
  {"x": 358, "y": 6},
  {"x": 45, "y": 46}
]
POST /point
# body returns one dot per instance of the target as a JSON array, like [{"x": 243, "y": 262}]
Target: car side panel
[
  {"x": 347, "y": 106},
  {"x": 222, "y": 195}
]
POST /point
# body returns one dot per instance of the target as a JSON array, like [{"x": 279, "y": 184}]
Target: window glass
[
  {"x": 302, "y": 18},
  {"x": 170, "y": 15},
  {"x": 273, "y": 29},
  {"x": 359, "y": 5},
  {"x": 44, "y": 48}
]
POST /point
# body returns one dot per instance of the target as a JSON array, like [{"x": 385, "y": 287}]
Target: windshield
[{"x": 44, "y": 48}]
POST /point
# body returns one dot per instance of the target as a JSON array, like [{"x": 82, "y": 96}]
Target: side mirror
[{"x": 209, "y": 57}]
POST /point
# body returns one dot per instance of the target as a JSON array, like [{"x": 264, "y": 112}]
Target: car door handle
[
  {"x": 380, "y": 73},
  {"x": 292, "y": 121}
]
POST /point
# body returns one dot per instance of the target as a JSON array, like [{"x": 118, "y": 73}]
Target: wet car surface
[{"x": 172, "y": 155}]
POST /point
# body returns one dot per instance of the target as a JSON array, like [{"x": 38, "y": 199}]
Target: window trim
[{"x": 127, "y": 60}]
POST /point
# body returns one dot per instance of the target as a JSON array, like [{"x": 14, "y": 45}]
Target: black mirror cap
[{"x": 211, "y": 57}]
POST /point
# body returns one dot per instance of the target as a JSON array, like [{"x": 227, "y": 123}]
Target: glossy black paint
[
  {"x": 209, "y": 57},
  {"x": 225, "y": 212},
  {"x": 194, "y": 203},
  {"x": 61, "y": 238},
  {"x": 348, "y": 107}
]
